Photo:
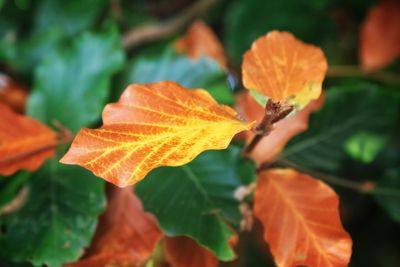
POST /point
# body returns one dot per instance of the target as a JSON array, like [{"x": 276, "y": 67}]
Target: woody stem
[{"x": 274, "y": 112}]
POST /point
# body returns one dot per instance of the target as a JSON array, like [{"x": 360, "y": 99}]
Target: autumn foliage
[{"x": 162, "y": 174}]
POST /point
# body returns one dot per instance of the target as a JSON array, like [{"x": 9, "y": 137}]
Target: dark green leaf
[
  {"x": 54, "y": 21},
  {"x": 72, "y": 85},
  {"x": 249, "y": 19},
  {"x": 348, "y": 114},
  {"x": 168, "y": 65},
  {"x": 196, "y": 199},
  {"x": 58, "y": 218},
  {"x": 387, "y": 193},
  {"x": 10, "y": 185}
]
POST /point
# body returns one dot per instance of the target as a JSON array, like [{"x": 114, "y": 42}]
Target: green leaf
[
  {"x": 9, "y": 186},
  {"x": 58, "y": 218},
  {"x": 346, "y": 114},
  {"x": 168, "y": 65},
  {"x": 71, "y": 17},
  {"x": 54, "y": 21},
  {"x": 196, "y": 199},
  {"x": 249, "y": 19},
  {"x": 72, "y": 85},
  {"x": 387, "y": 193}
]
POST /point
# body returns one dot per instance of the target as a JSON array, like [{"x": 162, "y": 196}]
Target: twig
[
  {"x": 367, "y": 187},
  {"x": 355, "y": 71},
  {"x": 274, "y": 112},
  {"x": 155, "y": 31}
]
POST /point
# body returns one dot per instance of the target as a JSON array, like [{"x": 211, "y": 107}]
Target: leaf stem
[{"x": 355, "y": 71}]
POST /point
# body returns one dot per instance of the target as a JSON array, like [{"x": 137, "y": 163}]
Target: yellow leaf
[{"x": 152, "y": 125}]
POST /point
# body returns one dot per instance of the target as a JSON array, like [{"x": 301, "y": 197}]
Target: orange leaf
[
  {"x": 24, "y": 142},
  {"x": 199, "y": 41},
  {"x": 185, "y": 252},
  {"x": 270, "y": 146},
  {"x": 301, "y": 220},
  {"x": 152, "y": 125},
  {"x": 12, "y": 93},
  {"x": 126, "y": 235},
  {"x": 380, "y": 35},
  {"x": 284, "y": 68}
]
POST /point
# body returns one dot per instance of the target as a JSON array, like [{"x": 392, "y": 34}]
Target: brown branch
[
  {"x": 355, "y": 71},
  {"x": 362, "y": 187},
  {"x": 155, "y": 31},
  {"x": 274, "y": 112}
]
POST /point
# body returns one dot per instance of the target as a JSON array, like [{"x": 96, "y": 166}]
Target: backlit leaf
[
  {"x": 126, "y": 235},
  {"x": 301, "y": 220},
  {"x": 24, "y": 142},
  {"x": 203, "y": 198},
  {"x": 185, "y": 252},
  {"x": 380, "y": 35},
  {"x": 284, "y": 68},
  {"x": 56, "y": 219},
  {"x": 200, "y": 41},
  {"x": 152, "y": 125},
  {"x": 270, "y": 146}
]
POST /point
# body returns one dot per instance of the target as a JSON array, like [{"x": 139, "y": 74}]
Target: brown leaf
[
  {"x": 200, "y": 41},
  {"x": 284, "y": 68},
  {"x": 152, "y": 125},
  {"x": 126, "y": 235},
  {"x": 185, "y": 252},
  {"x": 380, "y": 35},
  {"x": 12, "y": 93},
  {"x": 270, "y": 146},
  {"x": 301, "y": 220},
  {"x": 24, "y": 142}
]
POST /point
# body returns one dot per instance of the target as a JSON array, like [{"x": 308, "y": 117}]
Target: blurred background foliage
[{"x": 70, "y": 56}]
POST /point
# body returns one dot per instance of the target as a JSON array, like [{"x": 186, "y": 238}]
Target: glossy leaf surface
[
  {"x": 152, "y": 125},
  {"x": 301, "y": 220},
  {"x": 24, "y": 142},
  {"x": 284, "y": 68}
]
